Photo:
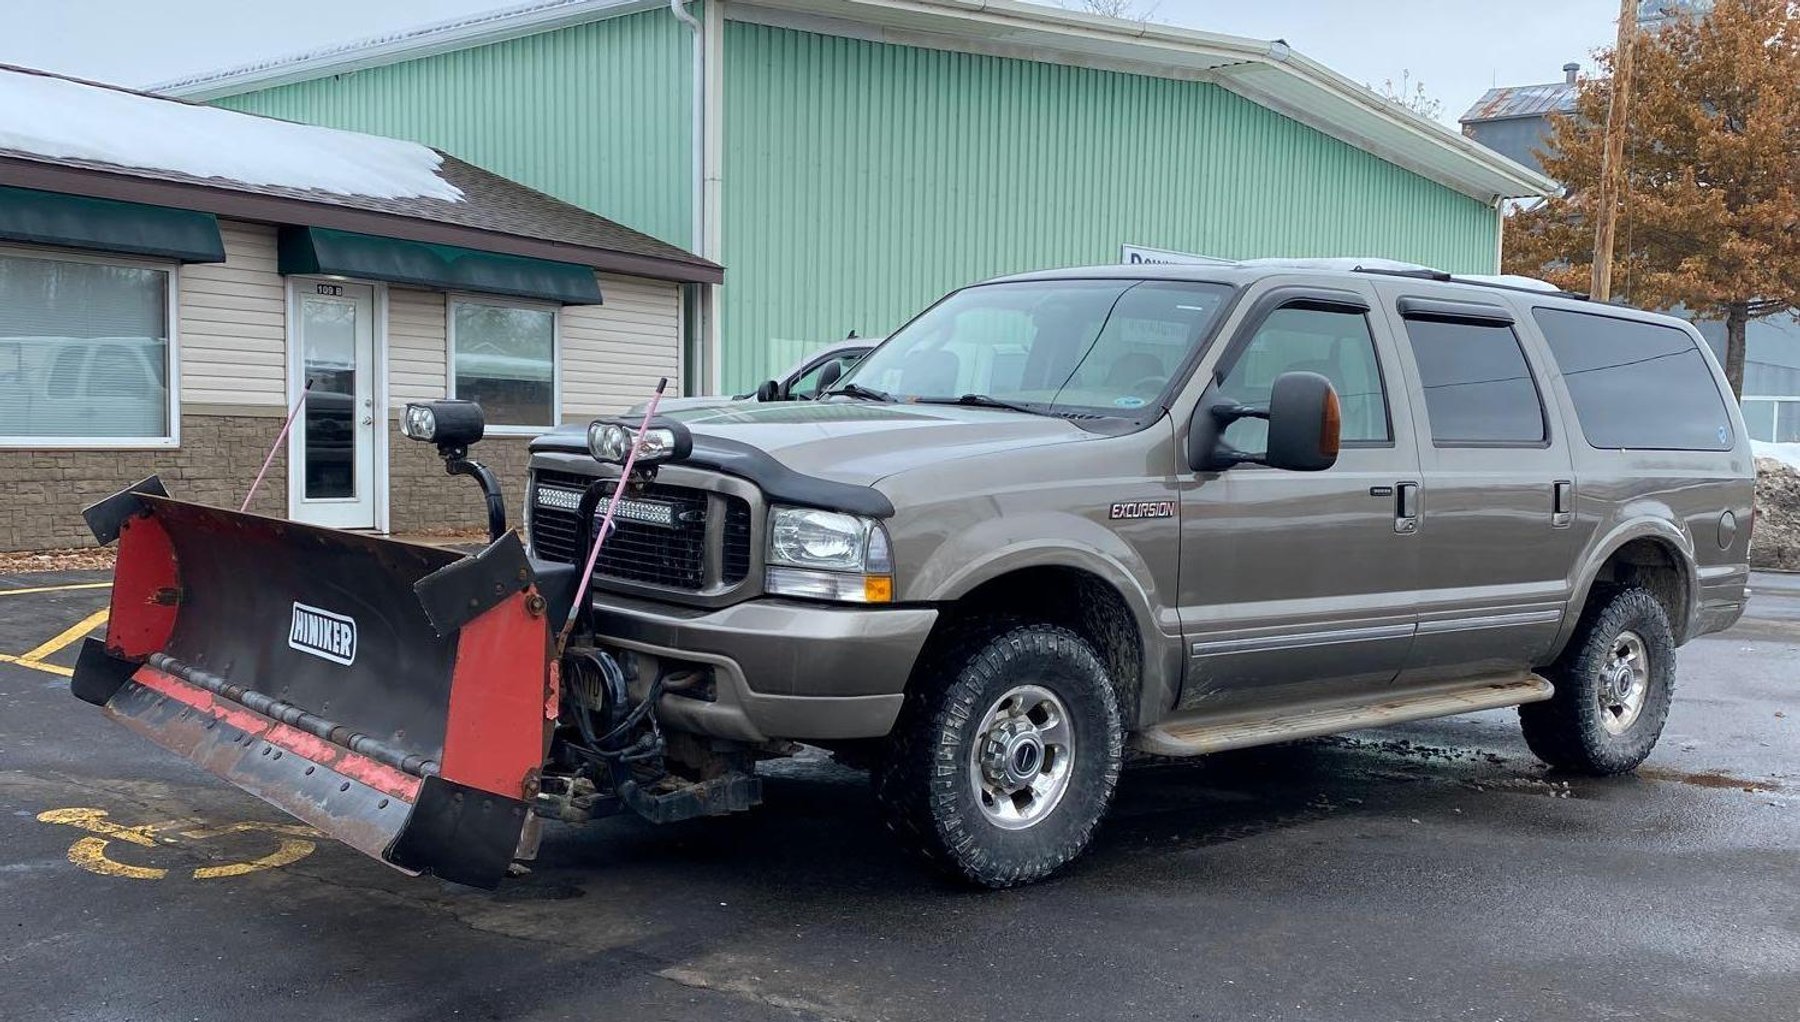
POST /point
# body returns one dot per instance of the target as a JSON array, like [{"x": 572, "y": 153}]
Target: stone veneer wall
[
  {"x": 423, "y": 498},
  {"x": 42, "y": 492}
]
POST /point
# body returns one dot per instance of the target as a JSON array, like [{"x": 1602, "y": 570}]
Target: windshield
[{"x": 1105, "y": 346}]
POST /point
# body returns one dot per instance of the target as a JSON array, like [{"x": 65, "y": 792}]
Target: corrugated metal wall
[
  {"x": 864, "y": 179},
  {"x": 597, "y": 115}
]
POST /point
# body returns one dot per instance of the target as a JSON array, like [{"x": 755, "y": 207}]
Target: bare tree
[
  {"x": 1411, "y": 95},
  {"x": 1130, "y": 10}
]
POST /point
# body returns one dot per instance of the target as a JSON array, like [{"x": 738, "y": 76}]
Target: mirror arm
[{"x": 1224, "y": 456}]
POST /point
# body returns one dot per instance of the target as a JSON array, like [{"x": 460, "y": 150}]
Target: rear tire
[
  {"x": 1005, "y": 756},
  {"x": 1614, "y": 683}
]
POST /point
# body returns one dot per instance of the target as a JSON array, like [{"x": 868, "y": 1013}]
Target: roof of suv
[{"x": 1225, "y": 271}]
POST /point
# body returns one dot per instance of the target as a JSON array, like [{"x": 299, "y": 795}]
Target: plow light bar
[
  {"x": 445, "y": 423},
  {"x": 611, "y": 442}
]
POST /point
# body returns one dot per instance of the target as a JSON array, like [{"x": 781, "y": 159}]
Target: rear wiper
[
  {"x": 981, "y": 401},
  {"x": 858, "y": 390}
]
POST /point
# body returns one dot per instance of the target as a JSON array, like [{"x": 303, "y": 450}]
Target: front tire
[
  {"x": 1614, "y": 684},
  {"x": 1005, "y": 756}
]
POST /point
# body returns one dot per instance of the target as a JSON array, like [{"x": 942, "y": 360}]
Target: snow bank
[
  {"x": 57, "y": 118},
  {"x": 1776, "y": 541}
]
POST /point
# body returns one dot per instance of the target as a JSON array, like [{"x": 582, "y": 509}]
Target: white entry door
[{"x": 331, "y": 463}]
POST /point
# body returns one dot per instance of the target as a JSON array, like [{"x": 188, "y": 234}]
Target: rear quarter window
[{"x": 1636, "y": 385}]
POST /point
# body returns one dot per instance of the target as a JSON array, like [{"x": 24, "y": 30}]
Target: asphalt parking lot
[{"x": 1432, "y": 871}]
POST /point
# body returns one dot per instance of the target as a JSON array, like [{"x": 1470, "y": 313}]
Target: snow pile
[
  {"x": 1775, "y": 543},
  {"x": 61, "y": 119}
]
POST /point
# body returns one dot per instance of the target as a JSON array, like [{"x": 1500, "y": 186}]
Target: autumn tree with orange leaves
[{"x": 1709, "y": 216}]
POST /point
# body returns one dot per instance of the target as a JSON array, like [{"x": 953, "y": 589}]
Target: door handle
[
  {"x": 1562, "y": 503},
  {"x": 1406, "y": 508},
  {"x": 368, "y": 420}
]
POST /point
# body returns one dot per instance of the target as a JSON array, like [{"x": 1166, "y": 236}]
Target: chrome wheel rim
[
  {"x": 1624, "y": 683},
  {"x": 1020, "y": 761}
]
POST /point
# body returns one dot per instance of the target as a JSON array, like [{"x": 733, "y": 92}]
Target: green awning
[
  {"x": 318, "y": 250},
  {"x": 74, "y": 221}
]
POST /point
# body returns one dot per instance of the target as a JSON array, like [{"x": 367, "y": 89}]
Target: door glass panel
[
  {"x": 328, "y": 330},
  {"x": 1478, "y": 389},
  {"x": 1335, "y": 344}
]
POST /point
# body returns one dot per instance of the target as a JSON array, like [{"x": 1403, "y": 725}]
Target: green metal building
[{"x": 850, "y": 160}]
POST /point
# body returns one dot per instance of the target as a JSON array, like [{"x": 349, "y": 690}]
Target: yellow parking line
[
  {"x": 66, "y": 636},
  {"x": 36, "y": 666},
  {"x": 56, "y": 589}
]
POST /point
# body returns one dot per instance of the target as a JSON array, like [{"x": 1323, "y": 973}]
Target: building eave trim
[{"x": 276, "y": 209}]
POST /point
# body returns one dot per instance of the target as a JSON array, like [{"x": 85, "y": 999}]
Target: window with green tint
[
  {"x": 1336, "y": 344},
  {"x": 84, "y": 352},
  {"x": 504, "y": 358}
]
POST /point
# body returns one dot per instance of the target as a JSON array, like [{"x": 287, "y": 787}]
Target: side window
[
  {"x": 1478, "y": 388},
  {"x": 1612, "y": 366},
  {"x": 806, "y": 385},
  {"x": 1334, "y": 343}
]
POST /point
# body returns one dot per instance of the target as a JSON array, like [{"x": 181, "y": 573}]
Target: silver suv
[{"x": 1179, "y": 509}]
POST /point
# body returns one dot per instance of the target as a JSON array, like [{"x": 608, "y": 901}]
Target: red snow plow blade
[{"x": 392, "y": 695}]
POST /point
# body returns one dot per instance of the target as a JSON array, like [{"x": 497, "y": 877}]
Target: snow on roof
[{"x": 58, "y": 118}]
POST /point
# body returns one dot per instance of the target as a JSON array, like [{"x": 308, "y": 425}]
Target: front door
[
  {"x": 1300, "y": 585},
  {"x": 331, "y": 468}
]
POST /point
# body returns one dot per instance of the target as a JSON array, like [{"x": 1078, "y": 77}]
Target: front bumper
[{"x": 782, "y": 669}]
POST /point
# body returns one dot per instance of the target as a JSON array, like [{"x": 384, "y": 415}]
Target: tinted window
[
  {"x": 1478, "y": 389},
  {"x": 1637, "y": 385},
  {"x": 1333, "y": 343}
]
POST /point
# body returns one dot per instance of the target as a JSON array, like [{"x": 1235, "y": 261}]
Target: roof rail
[{"x": 1419, "y": 273}]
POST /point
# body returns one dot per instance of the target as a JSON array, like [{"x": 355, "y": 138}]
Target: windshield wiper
[
  {"x": 858, "y": 390},
  {"x": 981, "y": 401}
]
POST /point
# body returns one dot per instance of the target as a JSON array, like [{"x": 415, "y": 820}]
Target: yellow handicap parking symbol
[{"x": 94, "y": 852}]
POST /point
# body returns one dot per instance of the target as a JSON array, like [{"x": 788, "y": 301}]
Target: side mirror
[
  {"x": 769, "y": 390},
  {"x": 1305, "y": 423},
  {"x": 829, "y": 375}
]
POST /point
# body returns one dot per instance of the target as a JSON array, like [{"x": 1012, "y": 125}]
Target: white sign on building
[{"x": 1134, "y": 255}]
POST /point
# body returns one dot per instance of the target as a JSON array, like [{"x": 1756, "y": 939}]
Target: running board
[{"x": 1197, "y": 735}]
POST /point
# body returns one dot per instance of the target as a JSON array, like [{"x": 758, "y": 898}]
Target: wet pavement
[{"x": 1432, "y": 871}]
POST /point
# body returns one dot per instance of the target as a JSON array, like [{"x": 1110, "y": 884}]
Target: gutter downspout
[{"x": 705, "y": 197}]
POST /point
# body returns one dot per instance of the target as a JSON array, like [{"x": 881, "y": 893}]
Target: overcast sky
[{"x": 1457, "y": 48}]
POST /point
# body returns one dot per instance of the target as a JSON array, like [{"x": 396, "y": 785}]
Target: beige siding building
[{"x": 158, "y": 321}]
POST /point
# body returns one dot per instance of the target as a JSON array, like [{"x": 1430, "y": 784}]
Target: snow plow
[{"x": 423, "y": 706}]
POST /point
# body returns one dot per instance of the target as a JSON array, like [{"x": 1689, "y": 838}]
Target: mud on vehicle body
[{"x": 1056, "y": 517}]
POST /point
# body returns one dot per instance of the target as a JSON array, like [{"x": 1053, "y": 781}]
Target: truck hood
[{"x": 856, "y": 442}]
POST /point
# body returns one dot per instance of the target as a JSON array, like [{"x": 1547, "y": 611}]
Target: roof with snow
[{"x": 66, "y": 135}]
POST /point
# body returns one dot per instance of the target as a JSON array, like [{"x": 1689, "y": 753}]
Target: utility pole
[{"x": 1612, "y": 163}]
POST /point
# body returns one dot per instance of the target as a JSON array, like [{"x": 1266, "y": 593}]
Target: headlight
[
  {"x": 445, "y": 423},
  {"x": 419, "y": 424},
  {"x": 828, "y": 555},
  {"x": 611, "y": 442},
  {"x": 818, "y": 539}
]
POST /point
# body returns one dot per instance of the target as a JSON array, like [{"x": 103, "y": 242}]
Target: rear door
[
  {"x": 1497, "y": 493},
  {"x": 1297, "y": 585}
]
